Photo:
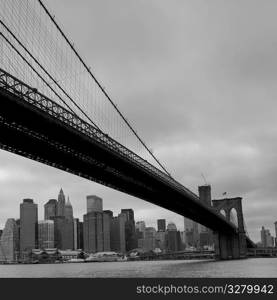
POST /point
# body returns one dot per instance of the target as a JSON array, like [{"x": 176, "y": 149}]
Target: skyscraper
[
  {"x": 130, "y": 229},
  {"x": 275, "y": 226},
  {"x": 96, "y": 226},
  {"x": 107, "y": 218},
  {"x": 68, "y": 241},
  {"x": 78, "y": 234},
  {"x": 149, "y": 241},
  {"x": 94, "y": 204},
  {"x": 46, "y": 234},
  {"x": 28, "y": 225},
  {"x": 140, "y": 233},
  {"x": 161, "y": 225},
  {"x": 93, "y": 232},
  {"x": 61, "y": 204},
  {"x": 118, "y": 242},
  {"x": 174, "y": 242},
  {"x": 191, "y": 229},
  {"x": 68, "y": 210},
  {"x": 266, "y": 238},
  {"x": 9, "y": 242},
  {"x": 50, "y": 209}
]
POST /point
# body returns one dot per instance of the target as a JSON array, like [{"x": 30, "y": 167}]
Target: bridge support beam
[{"x": 230, "y": 246}]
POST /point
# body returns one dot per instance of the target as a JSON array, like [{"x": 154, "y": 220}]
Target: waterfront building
[
  {"x": 161, "y": 224},
  {"x": 45, "y": 234},
  {"x": 107, "y": 218},
  {"x": 191, "y": 229},
  {"x": 9, "y": 242},
  {"x": 118, "y": 242},
  {"x": 78, "y": 234},
  {"x": 140, "y": 231},
  {"x": 50, "y": 209},
  {"x": 130, "y": 229},
  {"x": 149, "y": 241},
  {"x": 68, "y": 226},
  {"x": 172, "y": 237},
  {"x": 28, "y": 226},
  {"x": 96, "y": 232},
  {"x": 59, "y": 232},
  {"x": 97, "y": 226},
  {"x": 161, "y": 239},
  {"x": 266, "y": 239}
]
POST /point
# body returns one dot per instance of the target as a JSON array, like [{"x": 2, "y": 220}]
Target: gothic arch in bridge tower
[
  {"x": 231, "y": 245},
  {"x": 229, "y": 205}
]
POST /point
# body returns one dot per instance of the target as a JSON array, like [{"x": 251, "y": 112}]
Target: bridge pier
[
  {"x": 232, "y": 245},
  {"x": 229, "y": 246}
]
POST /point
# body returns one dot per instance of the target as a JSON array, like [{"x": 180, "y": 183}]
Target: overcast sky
[{"x": 198, "y": 81}]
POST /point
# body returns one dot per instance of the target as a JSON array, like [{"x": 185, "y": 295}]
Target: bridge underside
[{"x": 34, "y": 134}]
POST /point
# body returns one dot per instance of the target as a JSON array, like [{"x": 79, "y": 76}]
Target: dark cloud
[{"x": 196, "y": 79}]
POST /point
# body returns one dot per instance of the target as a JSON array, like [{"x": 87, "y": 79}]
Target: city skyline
[
  {"x": 208, "y": 80},
  {"x": 150, "y": 223}
]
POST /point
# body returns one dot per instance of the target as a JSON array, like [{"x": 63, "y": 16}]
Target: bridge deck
[{"x": 36, "y": 127}]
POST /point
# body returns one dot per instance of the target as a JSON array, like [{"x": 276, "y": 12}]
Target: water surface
[{"x": 252, "y": 267}]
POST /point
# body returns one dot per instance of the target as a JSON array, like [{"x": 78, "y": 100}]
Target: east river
[{"x": 254, "y": 267}]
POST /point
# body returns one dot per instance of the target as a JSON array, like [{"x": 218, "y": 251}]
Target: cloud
[{"x": 196, "y": 79}]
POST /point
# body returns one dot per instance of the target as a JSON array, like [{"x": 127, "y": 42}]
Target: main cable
[{"x": 100, "y": 86}]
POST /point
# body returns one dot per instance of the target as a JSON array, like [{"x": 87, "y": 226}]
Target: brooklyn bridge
[{"x": 54, "y": 110}]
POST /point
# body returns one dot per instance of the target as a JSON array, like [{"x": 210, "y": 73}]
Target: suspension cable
[{"x": 100, "y": 86}]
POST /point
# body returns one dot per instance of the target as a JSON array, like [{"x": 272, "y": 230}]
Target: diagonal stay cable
[
  {"x": 48, "y": 74},
  {"x": 26, "y": 61},
  {"x": 101, "y": 88}
]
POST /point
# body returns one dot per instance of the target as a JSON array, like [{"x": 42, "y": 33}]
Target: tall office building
[
  {"x": 28, "y": 225},
  {"x": 172, "y": 237},
  {"x": 171, "y": 226},
  {"x": 149, "y": 241},
  {"x": 68, "y": 226},
  {"x": 9, "y": 242},
  {"x": 68, "y": 210},
  {"x": 130, "y": 229},
  {"x": 93, "y": 232},
  {"x": 61, "y": 204},
  {"x": 78, "y": 234},
  {"x": 191, "y": 229},
  {"x": 161, "y": 224},
  {"x": 118, "y": 241},
  {"x": 140, "y": 226},
  {"x": 50, "y": 209},
  {"x": 96, "y": 226},
  {"x": 266, "y": 238},
  {"x": 161, "y": 239},
  {"x": 188, "y": 224},
  {"x": 59, "y": 232},
  {"x": 140, "y": 233},
  {"x": 94, "y": 204},
  {"x": 107, "y": 218},
  {"x": 46, "y": 234}
]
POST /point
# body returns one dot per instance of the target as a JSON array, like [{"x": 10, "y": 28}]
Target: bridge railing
[{"x": 34, "y": 97}]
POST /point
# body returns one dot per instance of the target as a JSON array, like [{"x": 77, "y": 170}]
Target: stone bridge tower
[{"x": 230, "y": 246}]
